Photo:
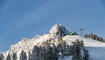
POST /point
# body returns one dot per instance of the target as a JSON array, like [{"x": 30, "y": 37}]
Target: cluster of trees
[{"x": 94, "y": 36}]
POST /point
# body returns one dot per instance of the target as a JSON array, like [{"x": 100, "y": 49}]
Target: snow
[
  {"x": 82, "y": 53},
  {"x": 67, "y": 58},
  {"x": 60, "y": 53},
  {"x": 96, "y": 49},
  {"x": 96, "y": 53}
]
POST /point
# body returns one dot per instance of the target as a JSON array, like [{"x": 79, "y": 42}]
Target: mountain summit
[{"x": 59, "y": 30}]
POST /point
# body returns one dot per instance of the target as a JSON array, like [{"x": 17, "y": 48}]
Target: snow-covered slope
[{"x": 96, "y": 49}]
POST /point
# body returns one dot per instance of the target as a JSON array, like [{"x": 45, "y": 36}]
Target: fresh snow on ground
[{"x": 96, "y": 49}]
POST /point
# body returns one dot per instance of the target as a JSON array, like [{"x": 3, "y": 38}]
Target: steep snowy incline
[{"x": 96, "y": 49}]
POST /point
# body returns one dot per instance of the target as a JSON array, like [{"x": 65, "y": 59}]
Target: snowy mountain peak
[
  {"x": 59, "y": 30},
  {"x": 56, "y": 45}
]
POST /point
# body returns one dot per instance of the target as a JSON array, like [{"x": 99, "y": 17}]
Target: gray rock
[
  {"x": 1, "y": 57},
  {"x": 8, "y": 57},
  {"x": 23, "y": 55},
  {"x": 14, "y": 56}
]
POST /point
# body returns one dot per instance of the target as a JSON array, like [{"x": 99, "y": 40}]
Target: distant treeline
[{"x": 94, "y": 36}]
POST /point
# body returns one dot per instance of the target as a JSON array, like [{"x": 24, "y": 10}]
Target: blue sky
[{"x": 27, "y": 18}]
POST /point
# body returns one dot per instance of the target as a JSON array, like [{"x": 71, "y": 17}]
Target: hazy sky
[{"x": 27, "y": 18}]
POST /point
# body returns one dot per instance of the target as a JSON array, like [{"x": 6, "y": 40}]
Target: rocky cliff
[{"x": 51, "y": 46}]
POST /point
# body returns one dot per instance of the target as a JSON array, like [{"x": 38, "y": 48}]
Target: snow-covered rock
[
  {"x": 56, "y": 45},
  {"x": 59, "y": 30}
]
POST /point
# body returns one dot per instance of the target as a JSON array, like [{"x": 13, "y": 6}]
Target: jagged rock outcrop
[
  {"x": 51, "y": 46},
  {"x": 60, "y": 30}
]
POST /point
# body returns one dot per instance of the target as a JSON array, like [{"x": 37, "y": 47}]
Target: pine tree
[
  {"x": 101, "y": 39},
  {"x": 91, "y": 35},
  {"x": 95, "y": 37}
]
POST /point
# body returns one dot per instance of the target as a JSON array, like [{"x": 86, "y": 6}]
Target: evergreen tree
[
  {"x": 95, "y": 37},
  {"x": 101, "y": 39}
]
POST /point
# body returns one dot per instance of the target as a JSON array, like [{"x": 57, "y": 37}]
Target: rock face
[
  {"x": 1, "y": 57},
  {"x": 51, "y": 46}
]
